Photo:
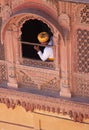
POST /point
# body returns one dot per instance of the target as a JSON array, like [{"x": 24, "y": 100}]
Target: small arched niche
[{"x": 29, "y": 32}]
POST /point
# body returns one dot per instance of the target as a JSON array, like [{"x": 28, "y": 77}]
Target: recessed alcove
[{"x": 30, "y": 30}]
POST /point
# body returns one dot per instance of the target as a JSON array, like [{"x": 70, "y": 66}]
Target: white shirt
[{"x": 48, "y": 51}]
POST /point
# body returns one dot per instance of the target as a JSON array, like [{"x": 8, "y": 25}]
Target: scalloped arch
[{"x": 20, "y": 16}]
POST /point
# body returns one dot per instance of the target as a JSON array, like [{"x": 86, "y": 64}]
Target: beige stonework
[{"x": 44, "y": 95}]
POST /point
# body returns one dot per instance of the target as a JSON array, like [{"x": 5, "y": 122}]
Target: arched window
[{"x": 30, "y": 30}]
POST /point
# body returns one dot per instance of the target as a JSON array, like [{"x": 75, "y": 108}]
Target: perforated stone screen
[
  {"x": 83, "y": 50},
  {"x": 85, "y": 14}
]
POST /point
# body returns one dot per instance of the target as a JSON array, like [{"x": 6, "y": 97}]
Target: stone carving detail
[
  {"x": 8, "y": 6},
  {"x": 83, "y": 50},
  {"x": 52, "y": 84},
  {"x": 73, "y": 11},
  {"x": 3, "y": 77},
  {"x": 6, "y": 10},
  {"x": 2, "y": 55},
  {"x": 81, "y": 85},
  {"x": 64, "y": 21},
  {"x": 32, "y": 78},
  {"x": 25, "y": 80},
  {"x": 24, "y": 19},
  {"x": 77, "y": 112},
  {"x": 38, "y": 63},
  {"x": 16, "y": 3},
  {"x": 81, "y": 63},
  {"x": 84, "y": 15}
]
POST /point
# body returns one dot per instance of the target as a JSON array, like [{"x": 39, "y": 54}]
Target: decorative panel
[
  {"x": 38, "y": 78},
  {"x": 83, "y": 50},
  {"x": 52, "y": 84},
  {"x": 81, "y": 85},
  {"x": 38, "y": 63},
  {"x": 81, "y": 66},
  {"x": 84, "y": 14},
  {"x": 3, "y": 76}
]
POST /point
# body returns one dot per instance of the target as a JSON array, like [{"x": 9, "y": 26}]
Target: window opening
[{"x": 30, "y": 31}]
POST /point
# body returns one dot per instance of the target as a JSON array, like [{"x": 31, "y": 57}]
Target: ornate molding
[
  {"x": 38, "y": 78},
  {"x": 38, "y": 63},
  {"x": 24, "y": 79},
  {"x": 77, "y": 111}
]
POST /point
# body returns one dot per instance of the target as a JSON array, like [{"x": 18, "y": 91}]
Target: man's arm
[{"x": 44, "y": 56}]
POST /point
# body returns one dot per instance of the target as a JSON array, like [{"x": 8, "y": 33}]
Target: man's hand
[{"x": 37, "y": 48}]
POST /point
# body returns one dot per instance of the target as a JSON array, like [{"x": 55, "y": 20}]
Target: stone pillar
[
  {"x": 16, "y": 45},
  {"x": 64, "y": 82},
  {"x": 9, "y": 56},
  {"x": 56, "y": 49},
  {"x": 64, "y": 21}
]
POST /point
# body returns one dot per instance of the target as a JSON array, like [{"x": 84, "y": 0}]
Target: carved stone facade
[
  {"x": 67, "y": 76},
  {"x": 80, "y": 53}
]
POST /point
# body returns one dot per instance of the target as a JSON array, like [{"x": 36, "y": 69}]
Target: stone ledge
[{"x": 76, "y": 110}]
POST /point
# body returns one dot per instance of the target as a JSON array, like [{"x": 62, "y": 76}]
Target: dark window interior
[{"x": 30, "y": 30}]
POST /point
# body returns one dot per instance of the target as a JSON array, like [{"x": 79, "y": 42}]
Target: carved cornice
[{"x": 77, "y": 111}]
